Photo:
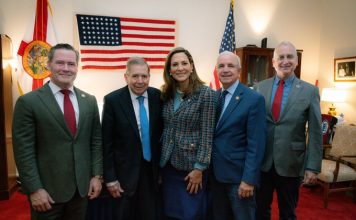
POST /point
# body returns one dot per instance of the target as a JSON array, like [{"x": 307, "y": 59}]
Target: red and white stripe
[{"x": 148, "y": 38}]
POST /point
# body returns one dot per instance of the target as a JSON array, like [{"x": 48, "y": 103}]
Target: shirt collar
[
  {"x": 134, "y": 96},
  {"x": 231, "y": 88},
  {"x": 55, "y": 89},
  {"x": 287, "y": 81}
]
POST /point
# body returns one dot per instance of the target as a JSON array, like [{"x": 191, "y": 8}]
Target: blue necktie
[{"x": 145, "y": 130}]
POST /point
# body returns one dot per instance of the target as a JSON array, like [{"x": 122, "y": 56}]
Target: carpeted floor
[
  {"x": 310, "y": 207},
  {"x": 16, "y": 208}
]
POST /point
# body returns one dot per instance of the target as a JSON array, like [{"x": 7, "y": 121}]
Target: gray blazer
[{"x": 294, "y": 143}]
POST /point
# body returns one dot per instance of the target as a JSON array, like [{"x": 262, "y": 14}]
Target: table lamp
[{"x": 333, "y": 95}]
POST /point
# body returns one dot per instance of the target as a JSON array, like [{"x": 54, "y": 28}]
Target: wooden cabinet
[
  {"x": 8, "y": 182},
  {"x": 256, "y": 64}
]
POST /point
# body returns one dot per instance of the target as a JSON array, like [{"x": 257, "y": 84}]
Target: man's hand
[
  {"x": 310, "y": 177},
  {"x": 41, "y": 201},
  {"x": 195, "y": 181},
  {"x": 94, "y": 187},
  {"x": 115, "y": 190},
  {"x": 245, "y": 190}
]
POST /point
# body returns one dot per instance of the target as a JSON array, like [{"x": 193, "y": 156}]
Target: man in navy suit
[
  {"x": 239, "y": 143},
  {"x": 130, "y": 169}
]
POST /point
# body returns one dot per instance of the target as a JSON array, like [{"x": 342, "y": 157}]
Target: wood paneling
[{"x": 8, "y": 182}]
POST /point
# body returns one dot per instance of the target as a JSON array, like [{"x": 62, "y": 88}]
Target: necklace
[{"x": 180, "y": 95}]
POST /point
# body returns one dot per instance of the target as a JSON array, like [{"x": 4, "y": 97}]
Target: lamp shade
[{"x": 333, "y": 95}]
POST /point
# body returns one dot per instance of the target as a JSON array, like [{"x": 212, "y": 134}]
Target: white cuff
[{"x": 112, "y": 183}]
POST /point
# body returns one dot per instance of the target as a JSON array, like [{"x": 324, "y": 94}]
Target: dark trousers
[
  {"x": 74, "y": 209},
  {"x": 226, "y": 203},
  {"x": 143, "y": 204},
  {"x": 287, "y": 189}
]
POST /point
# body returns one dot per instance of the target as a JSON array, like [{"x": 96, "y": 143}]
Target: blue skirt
[{"x": 177, "y": 202}]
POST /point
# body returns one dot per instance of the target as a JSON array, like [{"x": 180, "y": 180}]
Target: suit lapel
[
  {"x": 126, "y": 103},
  {"x": 234, "y": 102},
  {"x": 267, "y": 91},
  {"x": 48, "y": 99},
  {"x": 185, "y": 103},
  {"x": 152, "y": 109},
  {"x": 293, "y": 94},
  {"x": 81, "y": 98}
]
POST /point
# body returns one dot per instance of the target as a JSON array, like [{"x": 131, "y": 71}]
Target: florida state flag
[{"x": 34, "y": 48}]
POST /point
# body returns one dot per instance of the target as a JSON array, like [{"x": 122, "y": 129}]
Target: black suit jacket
[{"x": 121, "y": 138}]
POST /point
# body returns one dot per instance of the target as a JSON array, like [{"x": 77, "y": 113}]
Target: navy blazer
[{"x": 239, "y": 139}]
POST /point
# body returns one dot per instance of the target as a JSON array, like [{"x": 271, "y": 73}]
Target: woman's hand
[{"x": 194, "y": 179}]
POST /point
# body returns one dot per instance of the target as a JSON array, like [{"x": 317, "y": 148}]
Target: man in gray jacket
[{"x": 293, "y": 114}]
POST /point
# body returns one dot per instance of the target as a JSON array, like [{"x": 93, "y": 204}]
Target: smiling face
[
  {"x": 285, "y": 60},
  {"x": 228, "y": 68},
  {"x": 138, "y": 78},
  {"x": 181, "y": 68},
  {"x": 63, "y": 68}
]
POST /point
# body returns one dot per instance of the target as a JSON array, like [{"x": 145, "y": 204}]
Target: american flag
[
  {"x": 108, "y": 42},
  {"x": 228, "y": 43}
]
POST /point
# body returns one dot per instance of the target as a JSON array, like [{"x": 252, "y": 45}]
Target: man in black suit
[{"x": 130, "y": 166}]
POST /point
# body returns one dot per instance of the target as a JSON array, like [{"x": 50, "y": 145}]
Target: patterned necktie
[
  {"x": 145, "y": 130},
  {"x": 276, "y": 106},
  {"x": 69, "y": 114},
  {"x": 221, "y": 103}
]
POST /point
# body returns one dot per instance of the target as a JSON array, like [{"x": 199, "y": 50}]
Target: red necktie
[
  {"x": 276, "y": 106},
  {"x": 69, "y": 114}
]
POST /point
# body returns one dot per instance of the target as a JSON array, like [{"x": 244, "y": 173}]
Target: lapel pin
[
  {"x": 237, "y": 98},
  {"x": 83, "y": 95},
  {"x": 298, "y": 86}
]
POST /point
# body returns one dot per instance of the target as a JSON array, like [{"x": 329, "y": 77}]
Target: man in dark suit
[
  {"x": 130, "y": 165},
  {"x": 238, "y": 145},
  {"x": 293, "y": 114},
  {"x": 59, "y": 160}
]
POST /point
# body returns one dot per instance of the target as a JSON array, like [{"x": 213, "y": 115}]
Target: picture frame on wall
[{"x": 344, "y": 69}]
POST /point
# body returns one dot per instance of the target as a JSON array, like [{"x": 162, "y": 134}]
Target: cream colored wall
[
  {"x": 338, "y": 39},
  {"x": 200, "y": 25},
  {"x": 312, "y": 25}
]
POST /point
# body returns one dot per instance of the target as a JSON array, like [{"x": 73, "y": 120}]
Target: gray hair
[
  {"x": 136, "y": 61},
  {"x": 284, "y": 43},
  {"x": 233, "y": 54}
]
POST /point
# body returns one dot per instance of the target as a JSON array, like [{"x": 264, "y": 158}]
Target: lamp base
[{"x": 332, "y": 111}]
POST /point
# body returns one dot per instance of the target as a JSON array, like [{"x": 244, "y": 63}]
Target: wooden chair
[{"x": 337, "y": 172}]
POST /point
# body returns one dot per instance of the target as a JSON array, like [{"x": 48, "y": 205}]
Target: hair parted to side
[
  {"x": 62, "y": 46},
  {"x": 136, "y": 61},
  {"x": 170, "y": 85}
]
